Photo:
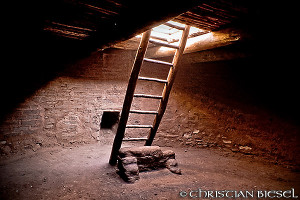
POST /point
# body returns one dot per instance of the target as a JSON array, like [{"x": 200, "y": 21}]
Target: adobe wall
[
  {"x": 215, "y": 103},
  {"x": 241, "y": 104},
  {"x": 68, "y": 109}
]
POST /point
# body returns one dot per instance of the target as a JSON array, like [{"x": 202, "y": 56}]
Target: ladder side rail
[
  {"x": 129, "y": 97},
  {"x": 168, "y": 87}
]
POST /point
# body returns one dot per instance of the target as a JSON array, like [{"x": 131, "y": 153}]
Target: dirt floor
[{"x": 83, "y": 172}]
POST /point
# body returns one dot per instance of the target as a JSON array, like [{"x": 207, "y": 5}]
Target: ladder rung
[
  {"x": 143, "y": 112},
  {"x": 159, "y": 38},
  {"x": 163, "y": 44},
  {"x": 148, "y": 96},
  {"x": 152, "y": 79},
  {"x": 138, "y": 126},
  {"x": 174, "y": 26},
  {"x": 158, "y": 61},
  {"x": 134, "y": 139}
]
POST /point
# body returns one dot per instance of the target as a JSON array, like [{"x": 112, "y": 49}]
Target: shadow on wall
[
  {"x": 41, "y": 60},
  {"x": 263, "y": 79}
]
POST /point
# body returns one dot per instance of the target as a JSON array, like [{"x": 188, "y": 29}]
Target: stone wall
[
  {"x": 244, "y": 105},
  {"x": 231, "y": 104},
  {"x": 68, "y": 109}
]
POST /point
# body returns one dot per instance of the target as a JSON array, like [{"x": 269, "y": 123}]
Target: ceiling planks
[{"x": 104, "y": 22}]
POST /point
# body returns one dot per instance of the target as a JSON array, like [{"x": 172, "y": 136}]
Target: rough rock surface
[
  {"x": 132, "y": 160},
  {"x": 128, "y": 169}
]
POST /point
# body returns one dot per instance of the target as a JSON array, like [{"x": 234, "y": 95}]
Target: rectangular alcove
[{"x": 109, "y": 121}]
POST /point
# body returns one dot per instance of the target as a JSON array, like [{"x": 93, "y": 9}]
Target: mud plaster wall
[
  {"x": 211, "y": 106},
  {"x": 69, "y": 108},
  {"x": 238, "y": 104}
]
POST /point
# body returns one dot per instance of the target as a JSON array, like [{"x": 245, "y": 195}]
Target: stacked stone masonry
[
  {"x": 132, "y": 160},
  {"x": 213, "y": 104}
]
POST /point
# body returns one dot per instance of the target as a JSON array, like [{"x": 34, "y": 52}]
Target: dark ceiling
[
  {"x": 41, "y": 36},
  {"x": 46, "y": 34},
  {"x": 67, "y": 25},
  {"x": 104, "y": 22}
]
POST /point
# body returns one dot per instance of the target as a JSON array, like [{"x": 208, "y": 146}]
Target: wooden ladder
[{"x": 146, "y": 38}]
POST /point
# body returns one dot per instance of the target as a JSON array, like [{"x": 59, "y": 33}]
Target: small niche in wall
[{"x": 110, "y": 119}]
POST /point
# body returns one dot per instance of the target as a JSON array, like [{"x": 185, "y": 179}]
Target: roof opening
[{"x": 170, "y": 32}]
